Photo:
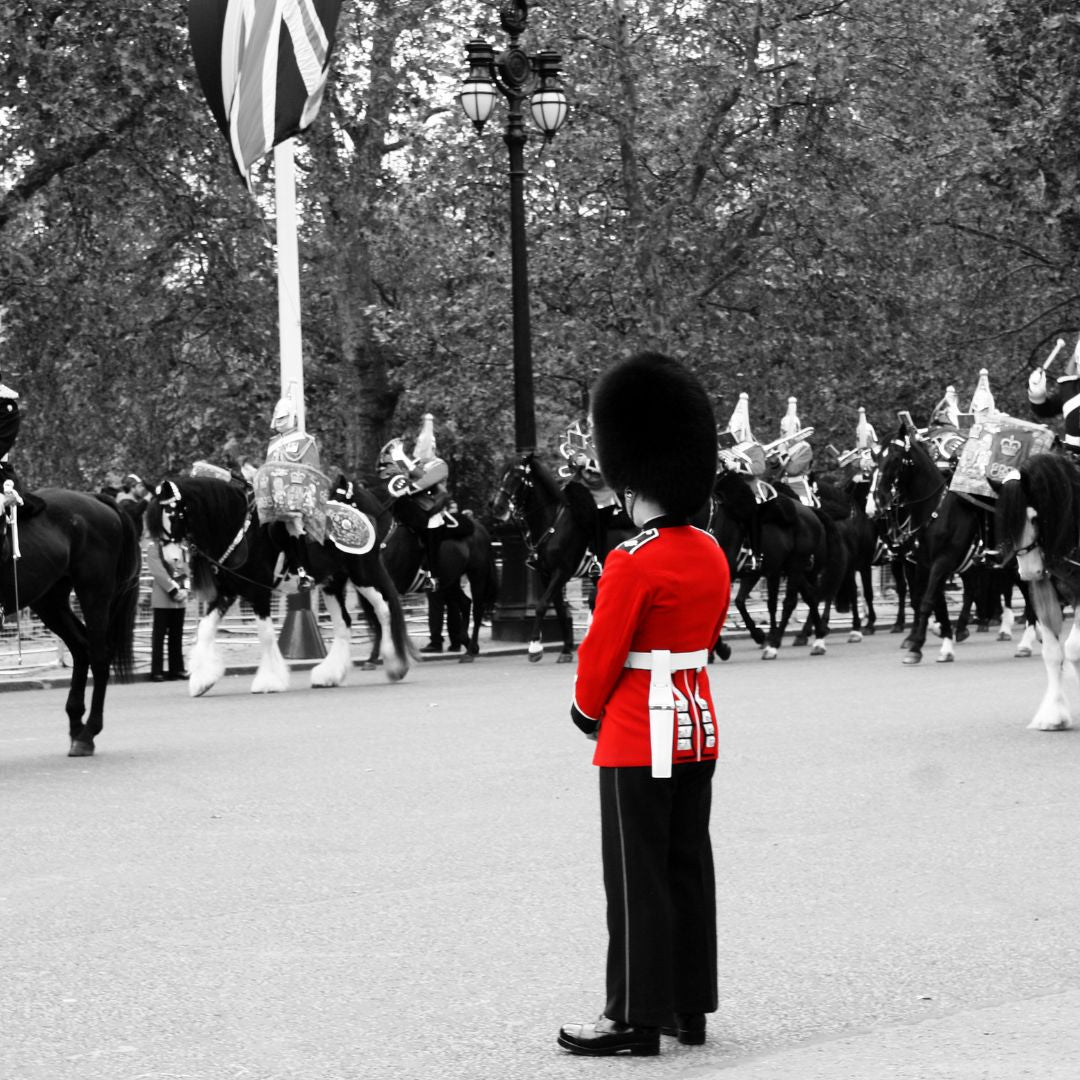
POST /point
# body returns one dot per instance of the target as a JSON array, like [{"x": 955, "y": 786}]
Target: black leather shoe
[
  {"x": 607, "y": 1037},
  {"x": 688, "y": 1028},
  {"x": 157, "y": 678}
]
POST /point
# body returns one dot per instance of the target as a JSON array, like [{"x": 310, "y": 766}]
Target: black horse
[
  {"x": 1037, "y": 519},
  {"x": 562, "y": 529},
  {"x": 233, "y": 556},
  {"x": 470, "y": 556},
  {"x": 802, "y": 546},
  {"x": 79, "y": 543},
  {"x": 942, "y": 532}
]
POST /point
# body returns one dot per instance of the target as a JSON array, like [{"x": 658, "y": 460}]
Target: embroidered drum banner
[
  {"x": 284, "y": 492},
  {"x": 993, "y": 447}
]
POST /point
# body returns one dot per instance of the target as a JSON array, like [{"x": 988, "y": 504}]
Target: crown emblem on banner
[{"x": 1010, "y": 446}]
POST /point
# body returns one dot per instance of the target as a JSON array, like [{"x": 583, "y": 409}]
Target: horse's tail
[
  {"x": 125, "y": 603},
  {"x": 832, "y": 574}
]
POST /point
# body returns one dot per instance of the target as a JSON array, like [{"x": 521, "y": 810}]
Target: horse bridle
[
  {"x": 175, "y": 510},
  {"x": 516, "y": 512},
  {"x": 902, "y": 532}
]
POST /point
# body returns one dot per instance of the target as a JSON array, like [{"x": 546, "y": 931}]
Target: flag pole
[
  {"x": 299, "y": 638},
  {"x": 288, "y": 269}
]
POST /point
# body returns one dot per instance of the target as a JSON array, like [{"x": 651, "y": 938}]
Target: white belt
[
  {"x": 677, "y": 661},
  {"x": 662, "y": 662}
]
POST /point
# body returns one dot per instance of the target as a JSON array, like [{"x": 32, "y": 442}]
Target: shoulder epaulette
[
  {"x": 707, "y": 533},
  {"x": 7, "y": 392},
  {"x": 635, "y": 543}
]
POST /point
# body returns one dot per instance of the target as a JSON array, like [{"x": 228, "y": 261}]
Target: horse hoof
[
  {"x": 472, "y": 648},
  {"x": 1004, "y": 635},
  {"x": 913, "y": 658},
  {"x": 79, "y": 748},
  {"x": 799, "y": 640},
  {"x": 565, "y": 658},
  {"x": 869, "y": 629},
  {"x": 1023, "y": 651},
  {"x": 467, "y": 658},
  {"x": 855, "y": 637},
  {"x": 723, "y": 651},
  {"x": 961, "y": 635},
  {"x": 369, "y": 665},
  {"x": 818, "y": 649},
  {"x": 768, "y": 653},
  {"x": 948, "y": 658}
]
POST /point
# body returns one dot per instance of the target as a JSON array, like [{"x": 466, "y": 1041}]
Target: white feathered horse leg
[
  {"x": 393, "y": 665},
  {"x": 272, "y": 675},
  {"x": 1053, "y": 711},
  {"x": 205, "y": 663},
  {"x": 334, "y": 669}
]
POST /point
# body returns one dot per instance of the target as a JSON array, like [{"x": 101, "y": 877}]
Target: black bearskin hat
[{"x": 655, "y": 433}]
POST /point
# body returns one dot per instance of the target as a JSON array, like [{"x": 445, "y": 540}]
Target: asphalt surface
[{"x": 404, "y": 880}]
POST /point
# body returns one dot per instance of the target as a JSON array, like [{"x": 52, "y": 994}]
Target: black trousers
[
  {"x": 168, "y": 623},
  {"x": 661, "y": 893}
]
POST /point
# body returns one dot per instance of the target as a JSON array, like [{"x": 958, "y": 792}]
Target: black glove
[{"x": 587, "y": 724}]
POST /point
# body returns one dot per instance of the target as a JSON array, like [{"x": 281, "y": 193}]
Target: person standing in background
[{"x": 168, "y": 568}]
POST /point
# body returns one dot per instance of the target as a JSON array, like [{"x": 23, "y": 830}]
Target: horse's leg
[
  {"x": 824, "y": 615},
  {"x": 970, "y": 583},
  {"x": 205, "y": 662},
  {"x": 57, "y": 616},
  {"x": 333, "y": 669},
  {"x": 1053, "y": 711},
  {"x": 1030, "y": 634},
  {"x": 900, "y": 580},
  {"x": 272, "y": 674},
  {"x": 746, "y": 586},
  {"x": 562, "y": 610},
  {"x": 547, "y": 598},
  {"x": 394, "y": 661},
  {"x": 931, "y": 600},
  {"x": 376, "y": 635},
  {"x": 866, "y": 578},
  {"x": 772, "y": 640}
]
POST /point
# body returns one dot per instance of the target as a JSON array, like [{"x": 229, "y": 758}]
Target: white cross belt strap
[{"x": 662, "y": 662}]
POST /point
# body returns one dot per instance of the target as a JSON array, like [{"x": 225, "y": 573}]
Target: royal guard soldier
[
  {"x": 1064, "y": 401},
  {"x": 12, "y": 492},
  {"x": 642, "y": 692},
  {"x": 291, "y": 491}
]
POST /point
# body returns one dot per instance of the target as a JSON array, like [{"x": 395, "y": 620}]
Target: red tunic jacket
[{"x": 667, "y": 588}]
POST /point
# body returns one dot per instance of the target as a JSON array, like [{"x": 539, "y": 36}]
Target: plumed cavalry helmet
[{"x": 655, "y": 433}]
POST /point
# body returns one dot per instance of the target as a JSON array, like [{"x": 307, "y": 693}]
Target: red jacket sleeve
[{"x": 622, "y": 594}]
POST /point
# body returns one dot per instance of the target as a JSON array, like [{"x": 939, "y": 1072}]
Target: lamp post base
[
  {"x": 300, "y": 638},
  {"x": 519, "y": 591}
]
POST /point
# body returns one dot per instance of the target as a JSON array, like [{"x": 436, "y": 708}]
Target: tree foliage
[{"x": 850, "y": 201}]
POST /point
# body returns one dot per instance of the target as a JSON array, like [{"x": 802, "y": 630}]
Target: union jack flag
[{"x": 262, "y": 65}]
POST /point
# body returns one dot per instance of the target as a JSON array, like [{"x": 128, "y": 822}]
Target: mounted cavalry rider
[
  {"x": 1064, "y": 401},
  {"x": 290, "y": 489},
  {"x": 582, "y": 468},
  {"x": 422, "y": 501},
  {"x": 12, "y": 492}
]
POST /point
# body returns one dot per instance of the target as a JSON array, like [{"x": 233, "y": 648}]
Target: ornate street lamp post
[{"x": 520, "y": 78}]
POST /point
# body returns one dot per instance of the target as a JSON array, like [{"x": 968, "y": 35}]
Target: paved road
[{"x": 404, "y": 881}]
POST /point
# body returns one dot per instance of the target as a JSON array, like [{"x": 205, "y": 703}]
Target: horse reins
[
  {"x": 176, "y": 501},
  {"x": 518, "y": 516}
]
